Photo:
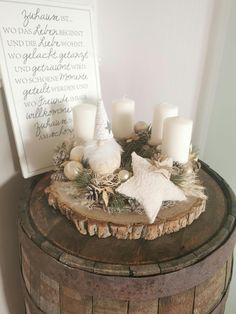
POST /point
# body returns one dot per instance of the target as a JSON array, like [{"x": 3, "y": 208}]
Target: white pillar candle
[
  {"x": 123, "y": 117},
  {"x": 161, "y": 112},
  {"x": 176, "y": 140},
  {"x": 84, "y": 121}
]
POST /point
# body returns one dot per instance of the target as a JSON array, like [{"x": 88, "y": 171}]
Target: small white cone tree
[
  {"x": 103, "y": 152},
  {"x": 103, "y": 130}
]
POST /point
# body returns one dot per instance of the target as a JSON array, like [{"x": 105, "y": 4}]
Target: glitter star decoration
[
  {"x": 108, "y": 127},
  {"x": 150, "y": 187}
]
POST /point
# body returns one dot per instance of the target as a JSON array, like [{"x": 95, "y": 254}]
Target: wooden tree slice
[{"x": 62, "y": 195}]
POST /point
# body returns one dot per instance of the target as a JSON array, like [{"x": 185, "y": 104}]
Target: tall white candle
[
  {"x": 176, "y": 141},
  {"x": 161, "y": 112},
  {"x": 84, "y": 121},
  {"x": 123, "y": 117}
]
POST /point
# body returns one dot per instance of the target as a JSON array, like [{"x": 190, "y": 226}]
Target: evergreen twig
[
  {"x": 84, "y": 178},
  {"x": 117, "y": 201}
]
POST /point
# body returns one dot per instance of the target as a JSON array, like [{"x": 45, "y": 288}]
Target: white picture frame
[{"x": 48, "y": 64}]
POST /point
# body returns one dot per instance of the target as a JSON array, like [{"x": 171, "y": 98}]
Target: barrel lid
[{"x": 58, "y": 237}]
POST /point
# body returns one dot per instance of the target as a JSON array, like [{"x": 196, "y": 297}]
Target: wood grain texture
[
  {"x": 122, "y": 226},
  {"x": 30, "y": 306},
  {"x": 35, "y": 283},
  {"x": 66, "y": 272},
  {"x": 143, "y": 307},
  {"x": 210, "y": 292},
  {"x": 25, "y": 269},
  {"x": 229, "y": 270},
  {"x": 73, "y": 302},
  {"x": 125, "y": 287},
  {"x": 193, "y": 238},
  {"x": 108, "y": 306},
  {"x": 49, "y": 301},
  {"x": 180, "y": 303}
]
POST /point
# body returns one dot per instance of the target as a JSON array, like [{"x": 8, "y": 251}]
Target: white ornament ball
[
  {"x": 72, "y": 169},
  {"x": 140, "y": 126},
  {"x": 77, "y": 153},
  {"x": 123, "y": 175}
]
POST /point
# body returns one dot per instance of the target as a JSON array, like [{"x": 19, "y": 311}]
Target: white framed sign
[{"x": 48, "y": 64}]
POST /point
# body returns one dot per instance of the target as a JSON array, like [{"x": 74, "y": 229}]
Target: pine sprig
[
  {"x": 84, "y": 178},
  {"x": 117, "y": 201}
]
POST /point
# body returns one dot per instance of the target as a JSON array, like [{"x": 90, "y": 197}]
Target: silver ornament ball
[
  {"x": 77, "y": 153},
  {"x": 72, "y": 169},
  {"x": 123, "y": 175},
  {"x": 140, "y": 126}
]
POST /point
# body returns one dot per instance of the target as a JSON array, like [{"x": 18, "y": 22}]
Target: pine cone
[
  {"x": 92, "y": 193},
  {"x": 59, "y": 157},
  {"x": 58, "y": 176},
  {"x": 62, "y": 152},
  {"x": 177, "y": 164},
  {"x": 134, "y": 204},
  {"x": 167, "y": 204}
]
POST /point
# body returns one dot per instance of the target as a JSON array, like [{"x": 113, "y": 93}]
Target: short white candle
[
  {"x": 84, "y": 121},
  {"x": 161, "y": 112},
  {"x": 176, "y": 140},
  {"x": 123, "y": 117}
]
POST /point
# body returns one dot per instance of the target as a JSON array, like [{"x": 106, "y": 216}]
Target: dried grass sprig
[
  {"x": 189, "y": 184},
  {"x": 186, "y": 177}
]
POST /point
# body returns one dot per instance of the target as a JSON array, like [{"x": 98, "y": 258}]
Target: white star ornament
[{"x": 150, "y": 187}]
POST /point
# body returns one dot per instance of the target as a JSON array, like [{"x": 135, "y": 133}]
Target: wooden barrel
[{"x": 66, "y": 272}]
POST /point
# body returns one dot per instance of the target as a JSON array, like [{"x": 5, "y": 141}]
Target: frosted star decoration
[
  {"x": 150, "y": 186},
  {"x": 108, "y": 127}
]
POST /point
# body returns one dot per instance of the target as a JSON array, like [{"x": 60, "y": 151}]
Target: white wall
[
  {"x": 220, "y": 147},
  {"x": 220, "y": 132},
  {"x": 151, "y": 51}
]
